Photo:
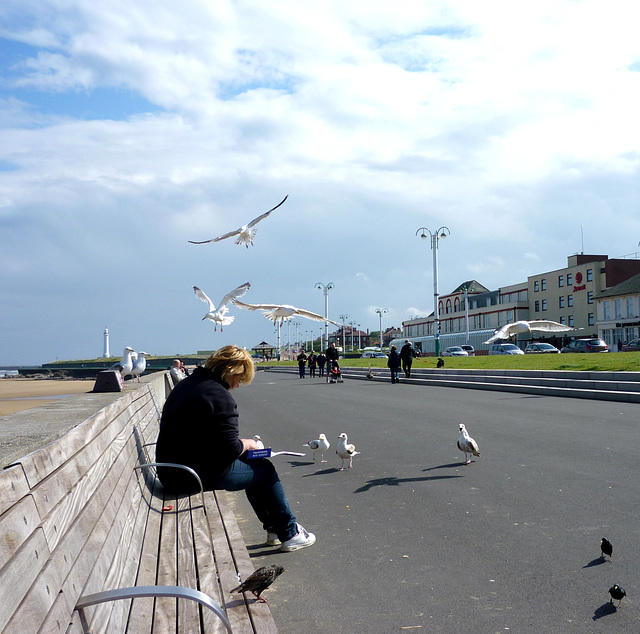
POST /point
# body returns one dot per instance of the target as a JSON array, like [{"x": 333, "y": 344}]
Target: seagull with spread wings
[
  {"x": 283, "y": 312},
  {"x": 517, "y": 327},
  {"x": 245, "y": 234},
  {"x": 219, "y": 315}
]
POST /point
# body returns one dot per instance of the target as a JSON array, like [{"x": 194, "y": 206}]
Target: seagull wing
[
  {"x": 546, "y": 325},
  {"x": 236, "y": 292},
  {"x": 256, "y": 306},
  {"x": 314, "y": 316},
  {"x": 223, "y": 237},
  {"x": 200, "y": 294},
  {"x": 502, "y": 333},
  {"x": 255, "y": 221}
]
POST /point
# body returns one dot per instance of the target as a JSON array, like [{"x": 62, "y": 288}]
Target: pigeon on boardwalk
[
  {"x": 259, "y": 441},
  {"x": 125, "y": 365},
  {"x": 606, "y": 548},
  {"x": 139, "y": 365},
  {"x": 617, "y": 593},
  {"x": 346, "y": 451},
  {"x": 467, "y": 445},
  {"x": 321, "y": 445},
  {"x": 283, "y": 312},
  {"x": 517, "y": 327},
  {"x": 219, "y": 315},
  {"x": 245, "y": 234},
  {"x": 258, "y": 581}
]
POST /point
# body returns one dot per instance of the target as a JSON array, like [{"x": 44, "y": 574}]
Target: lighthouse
[{"x": 106, "y": 343}]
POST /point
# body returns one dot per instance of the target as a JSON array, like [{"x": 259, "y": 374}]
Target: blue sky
[{"x": 128, "y": 129}]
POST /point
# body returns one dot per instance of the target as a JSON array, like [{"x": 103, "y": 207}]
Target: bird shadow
[
  {"x": 451, "y": 465},
  {"x": 301, "y": 463},
  {"x": 595, "y": 562},
  {"x": 393, "y": 481},
  {"x": 604, "y": 610},
  {"x": 322, "y": 472},
  {"x": 262, "y": 550}
]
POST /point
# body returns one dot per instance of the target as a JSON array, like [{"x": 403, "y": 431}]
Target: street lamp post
[
  {"x": 343, "y": 318},
  {"x": 359, "y": 337},
  {"x": 296, "y": 324},
  {"x": 435, "y": 236},
  {"x": 326, "y": 288},
  {"x": 352, "y": 324},
  {"x": 381, "y": 311}
]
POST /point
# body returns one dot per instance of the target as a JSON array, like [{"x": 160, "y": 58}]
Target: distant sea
[{"x": 4, "y": 373}]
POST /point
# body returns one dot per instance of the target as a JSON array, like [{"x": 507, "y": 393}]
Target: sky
[{"x": 129, "y": 128}]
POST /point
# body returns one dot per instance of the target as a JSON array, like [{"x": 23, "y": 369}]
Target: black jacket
[
  {"x": 199, "y": 429},
  {"x": 406, "y": 353}
]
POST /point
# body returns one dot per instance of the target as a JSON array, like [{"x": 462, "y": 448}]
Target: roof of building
[
  {"x": 472, "y": 286},
  {"x": 628, "y": 287}
]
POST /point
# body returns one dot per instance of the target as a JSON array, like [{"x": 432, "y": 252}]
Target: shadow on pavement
[
  {"x": 595, "y": 562},
  {"x": 393, "y": 481},
  {"x": 604, "y": 610}
]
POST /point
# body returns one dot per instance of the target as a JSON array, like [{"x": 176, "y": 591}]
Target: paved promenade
[{"x": 413, "y": 540}]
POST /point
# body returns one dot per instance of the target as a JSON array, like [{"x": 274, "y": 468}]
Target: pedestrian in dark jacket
[
  {"x": 302, "y": 362},
  {"x": 393, "y": 363},
  {"x": 312, "y": 361},
  {"x": 322, "y": 359},
  {"x": 406, "y": 356},
  {"x": 199, "y": 429}
]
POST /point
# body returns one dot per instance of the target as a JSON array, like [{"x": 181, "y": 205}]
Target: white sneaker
[
  {"x": 301, "y": 540},
  {"x": 272, "y": 539}
]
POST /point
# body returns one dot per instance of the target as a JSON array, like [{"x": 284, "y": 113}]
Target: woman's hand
[{"x": 248, "y": 443}]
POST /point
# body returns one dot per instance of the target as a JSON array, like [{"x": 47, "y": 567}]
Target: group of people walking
[
  {"x": 403, "y": 359},
  {"x": 319, "y": 361}
]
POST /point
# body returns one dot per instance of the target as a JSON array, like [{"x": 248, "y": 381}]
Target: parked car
[
  {"x": 455, "y": 351},
  {"x": 541, "y": 348},
  {"x": 470, "y": 350},
  {"x": 632, "y": 346},
  {"x": 373, "y": 355},
  {"x": 504, "y": 348},
  {"x": 586, "y": 345}
]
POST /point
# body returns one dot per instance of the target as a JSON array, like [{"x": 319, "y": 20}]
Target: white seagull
[
  {"x": 346, "y": 451},
  {"x": 321, "y": 445},
  {"x": 467, "y": 445},
  {"x": 259, "y": 441},
  {"x": 283, "y": 312},
  {"x": 125, "y": 365},
  {"x": 517, "y": 327},
  {"x": 219, "y": 315},
  {"x": 139, "y": 365},
  {"x": 245, "y": 234}
]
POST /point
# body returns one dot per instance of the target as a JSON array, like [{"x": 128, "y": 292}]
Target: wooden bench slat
[
  {"x": 17, "y": 524},
  {"x": 13, "y": 486},
  {"x": 188, "y": 611}
]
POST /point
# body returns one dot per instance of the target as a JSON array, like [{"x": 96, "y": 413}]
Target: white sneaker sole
[{"x": 291, "y": 547}]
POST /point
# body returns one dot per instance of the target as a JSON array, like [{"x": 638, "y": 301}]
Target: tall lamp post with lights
[
  {"x": 344, "y": 318},
  {"x": 326, "y": 288},
  {"x": 435, "y": 236},
  {"x": 381, "y": 311}
]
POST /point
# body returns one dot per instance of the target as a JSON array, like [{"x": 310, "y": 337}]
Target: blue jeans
[
  {"x": 394, "y": 375},
  {"x": 301, "y": 370},
  {"x": 261, "y": 483}
]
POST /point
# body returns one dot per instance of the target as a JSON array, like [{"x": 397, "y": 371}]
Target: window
[
  {"x": 536, "y": 286},
  {"x": 509, "y": 316},
  {"x": 590, "y": 297},
  {"x": 591, "y": 319},
  {"x": 560, "y": 281},
  {"x": 544, "y": 304},
  {"x": 537, "y": 306},
  {"x": 571, "y": 320},
  {"x": 543, "y": 282},
  {"x": 589, "y": 275},
  {"x": 617, "y": 304},
  {"x": 606, "y": 309},
  {"x": 629, "y": 306},
  {"x": 569, "y": 300},
  {"x": 569, "y": 279},
  {"x": 561, "y": 301},
  {"x": 563, "y": 320}
]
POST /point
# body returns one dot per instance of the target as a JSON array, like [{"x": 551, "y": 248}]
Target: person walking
[
  {"x": 302, "y": 362},
  {"x": 406, "y": 356},
  {"x": 322, "y": 359},
  {"x": 199, "y": 429},
  {"x": 393, "y": 363},
  {"x": 332, "y": 355},
  {"x": 312, "y": 361}
]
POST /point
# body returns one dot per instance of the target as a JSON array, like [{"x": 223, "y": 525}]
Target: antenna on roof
[{"x": 582, "y": 238}]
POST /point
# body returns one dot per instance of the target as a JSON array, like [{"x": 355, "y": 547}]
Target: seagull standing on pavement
[
  {"x": 219, "y": 315},
  {"x": 246, "y": 233},
  {"x": 125, "y": 365},
  {"x": 321, "y": 445},
  {"x": 346, "y": 451},
  {"x": 467, "y": 445}
]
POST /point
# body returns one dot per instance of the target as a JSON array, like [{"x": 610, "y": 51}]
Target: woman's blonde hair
[{"x": 231, "y": 361}]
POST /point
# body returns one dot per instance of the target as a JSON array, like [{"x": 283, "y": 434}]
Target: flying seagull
[
  {"x": 517, "y": 327},
  {"x": 245, "y": 234},
  {"x": 321, "y": 445},
  {"x": 219, "y": 315},
  {"x": 346, "y": 451},
  {"x": 283, "y": 312},
  {"x": 125, "y": 365},
  {"x": 467, "y": 445},
  {"x": 258, "y": 581},
  {"x": 606, "y": 548},
  {"x": 139, "y": 365},
  {"x": 617, "y": 593}
]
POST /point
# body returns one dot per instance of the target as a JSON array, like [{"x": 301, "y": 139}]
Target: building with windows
[
  {"x": 471, "y": 313},
  {"x": 618, "y": 312}
]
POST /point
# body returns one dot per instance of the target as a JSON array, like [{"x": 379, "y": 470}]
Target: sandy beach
[{"x": 17, "y": 394}]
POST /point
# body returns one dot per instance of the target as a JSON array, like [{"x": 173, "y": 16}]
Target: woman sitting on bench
[{"x": 199, "y": 429}]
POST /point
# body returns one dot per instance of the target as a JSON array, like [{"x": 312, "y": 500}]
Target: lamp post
[
  {"x": 326, "y": 288},
  {"x": 381, "y": 311},
  {"x": 466, "y": 310},
  {"x": 352, "y": 324},
  {"x": 296, "y": 324},
  {"x": 359, "y": 337},
  {"x": 343, "y": 318},
  {"x": 435, "y": 236}
]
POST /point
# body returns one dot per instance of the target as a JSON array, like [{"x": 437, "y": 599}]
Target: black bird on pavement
[
  {"x": 617, "y": 593},
  {"x": 258, "y": 581},
  {"x": 606, "y": 547}
]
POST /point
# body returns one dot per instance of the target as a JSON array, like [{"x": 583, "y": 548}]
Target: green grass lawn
[{"x": 597, "y": 362}]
